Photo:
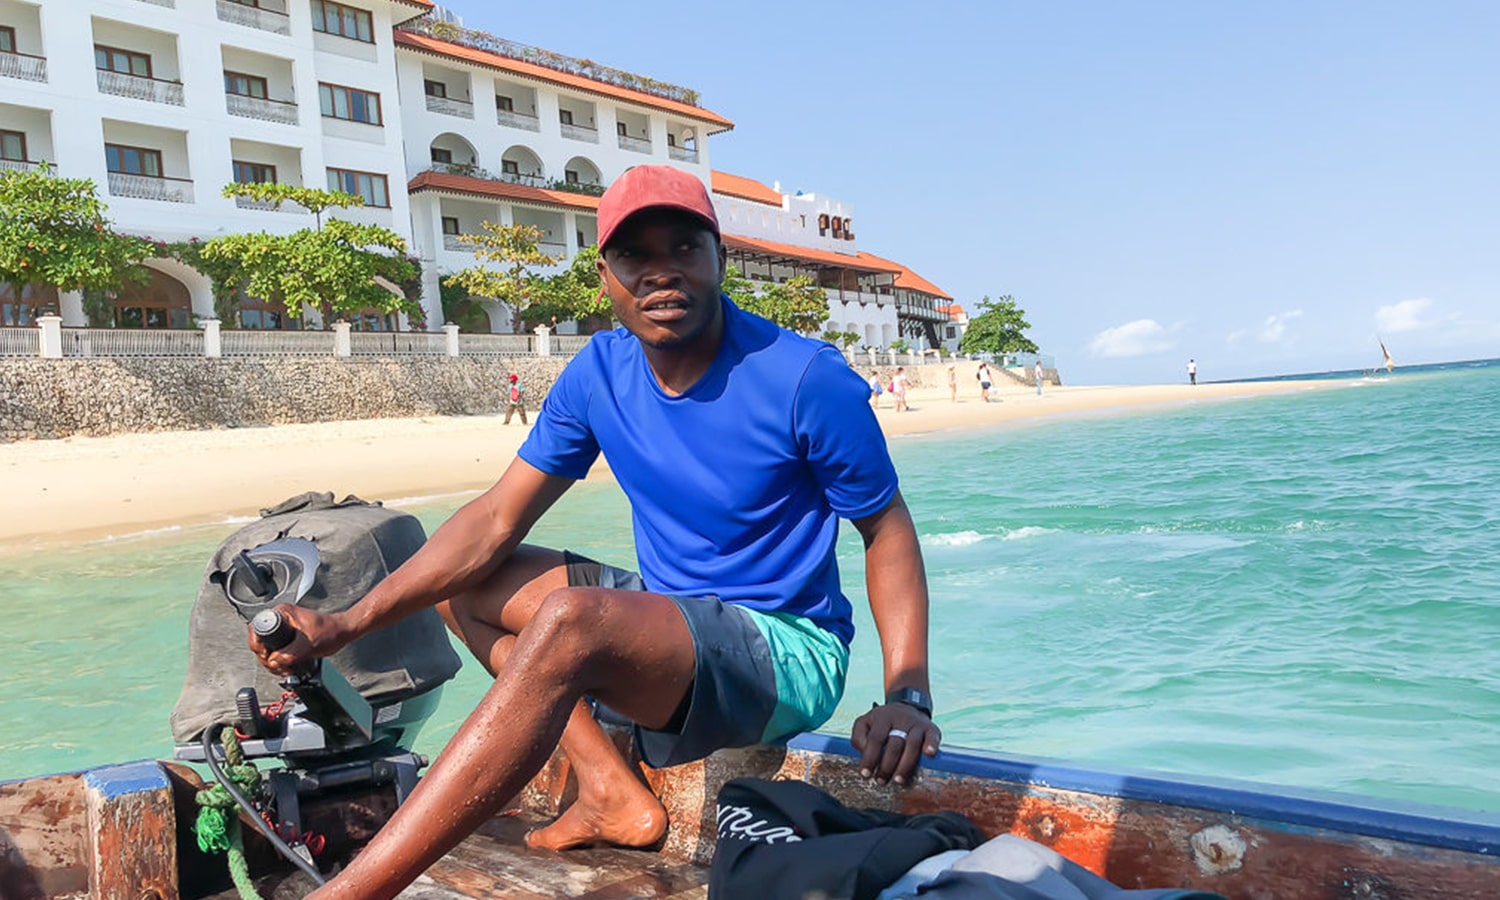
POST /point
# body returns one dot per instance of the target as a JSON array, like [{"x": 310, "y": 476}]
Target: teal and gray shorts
[{"x": 759, "y": 677}]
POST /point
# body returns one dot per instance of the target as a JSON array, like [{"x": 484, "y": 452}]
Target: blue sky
[{"x": 1266, "y": 187}]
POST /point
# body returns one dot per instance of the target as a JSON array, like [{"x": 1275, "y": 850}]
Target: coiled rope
[{"x": 218, "y": 826}]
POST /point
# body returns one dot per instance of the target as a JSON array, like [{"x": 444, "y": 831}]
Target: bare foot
[{"x": 630, "y": 816}]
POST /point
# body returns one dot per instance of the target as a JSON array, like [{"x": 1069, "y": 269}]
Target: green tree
[
  {"x": 573, "y": 294},
  {"x": 337, "y": 266},
  {"x": 841, "y": 339},
  {"x": 53, "y": 232},
  {"x": 462, "y": 310},
  {"x": 999, "y": 327},
  {"x": 514, "y": 248},
  {"x": 797, "y": 304}
]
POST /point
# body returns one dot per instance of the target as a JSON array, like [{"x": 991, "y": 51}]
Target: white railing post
[
  {"x": 873, "y": 361},
  {"x": 451, "y": 332},
  {"x": 341, "y": 339},
  {"x": 543, "y": 340},
  {"x": 51, "y": 327},
  {"x": 213, "y": 342}
]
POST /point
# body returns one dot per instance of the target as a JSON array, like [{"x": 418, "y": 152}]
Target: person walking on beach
[
  {"x": 875, "y": 389},
  {"x": 899, "y": 383},
  {"x": 515, "y": 399},
  {"x": 739, "y": 445},
  {"x": 1192, "y": 368},
  {"x": 1036, "y": 372},
  {"x": 952, "y": 383},
  {"x": 984, "y": 381}
]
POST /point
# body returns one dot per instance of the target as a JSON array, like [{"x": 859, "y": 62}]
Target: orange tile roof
[
  {"x": 451, "y": 50},
  {"x": 952, "y": 310},
  {"x": 743, "y": 188},
  {"x": 863, "y": 262},
  {"x": 502, "y": 190},
  {"x": 909, "y": 279}
]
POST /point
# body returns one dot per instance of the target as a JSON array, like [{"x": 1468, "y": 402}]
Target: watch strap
[{"x": 913, "y": 697}]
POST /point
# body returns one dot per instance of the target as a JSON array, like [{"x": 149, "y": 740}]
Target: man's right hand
[{"x": 318, "y": 635}]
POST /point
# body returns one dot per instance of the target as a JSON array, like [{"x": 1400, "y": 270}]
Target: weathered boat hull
[{"x": 119, "y": 832}]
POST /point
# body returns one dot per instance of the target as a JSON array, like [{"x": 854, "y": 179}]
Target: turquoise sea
[{"x": 1300, "y": 589}]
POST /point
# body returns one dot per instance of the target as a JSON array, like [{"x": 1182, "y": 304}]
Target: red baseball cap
[
  {"x": 653, "y": 187},
  {"x": 513, "y": 378}
]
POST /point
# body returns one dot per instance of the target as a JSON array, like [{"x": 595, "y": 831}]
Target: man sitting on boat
[{"x": 740, "y": 445}]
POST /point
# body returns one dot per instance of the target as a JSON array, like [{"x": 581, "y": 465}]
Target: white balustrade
[
  {"x": 398, "y": 343},
  {"x": 450, "y": 107},
  {"x": 496, "y": 345},
  {"x": 254, "y": 16},
  {"x": 20, "y": 342},
  {"x": 276, "y": 343},
  {"x": 635, "y": 144},
  {"x": 261, "y": 108},
  {"x": 23, "y": 66},
  {"x": 125, "y": 342},
  {"x": 682, "y": 155},
  {"x": 517, "y": 120},
  {"x": 148, "y": 187},
  {"x": 139, "y": 88},
  {"x": 580, "y": 133}
]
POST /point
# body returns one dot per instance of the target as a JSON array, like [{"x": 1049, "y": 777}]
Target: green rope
[{"x": 218, "y": 827}]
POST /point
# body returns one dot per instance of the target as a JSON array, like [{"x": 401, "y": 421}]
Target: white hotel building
[{"x": 438, "y": 128}]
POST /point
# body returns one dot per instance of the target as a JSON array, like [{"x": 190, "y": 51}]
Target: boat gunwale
[{"x": 1433, "y": 825}]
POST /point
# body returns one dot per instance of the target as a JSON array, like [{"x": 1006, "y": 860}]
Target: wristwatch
[{"x": 917, "y": 699}]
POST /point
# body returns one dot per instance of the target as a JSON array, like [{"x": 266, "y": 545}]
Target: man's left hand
[{"x": 891, "y": 741}]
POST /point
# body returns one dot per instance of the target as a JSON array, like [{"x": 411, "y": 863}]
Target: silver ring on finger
[{"x": 895, "y": 733}]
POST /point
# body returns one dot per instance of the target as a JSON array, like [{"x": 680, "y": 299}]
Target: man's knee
[{"x": 570, "y": 618}]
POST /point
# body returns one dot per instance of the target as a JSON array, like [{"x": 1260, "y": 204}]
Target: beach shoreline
[{"x": 78, "y": 489}]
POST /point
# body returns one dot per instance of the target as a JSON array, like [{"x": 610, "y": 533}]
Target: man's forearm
[
  {"x": 896, "y": 580},
  {"x": 458, "y": 556}
]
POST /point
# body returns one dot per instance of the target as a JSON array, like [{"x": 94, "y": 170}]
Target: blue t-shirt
[{"x": 737, "y": 485}]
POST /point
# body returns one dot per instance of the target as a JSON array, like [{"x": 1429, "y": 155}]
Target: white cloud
[
  {"x": 1138, "y": 338},
  {"x": 1275, "y": 327},
  {"x": 1404, "y": 316}
]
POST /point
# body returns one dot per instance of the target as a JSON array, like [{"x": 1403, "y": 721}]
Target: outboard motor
[{"x": 347, "y": 721}]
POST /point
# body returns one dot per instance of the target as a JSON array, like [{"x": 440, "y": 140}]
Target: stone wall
[{"x": 55, "y": 398}]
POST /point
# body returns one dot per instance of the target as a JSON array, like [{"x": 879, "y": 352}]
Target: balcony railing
[
  {"x": 23, "y": 165},
  {"x": 149, "y": 187},
  {"x": 517, "y": 120},
  {"x": 253, "y": 16},
  {"x": 450, "y": 107},
  {"x": 261, "y": 108},
  {"x": 169, "y": 4},
  {"x": 536, "y": 181},
  {"x": 456, "y": 243},
  {"x": 580, "y": 133},
  {"x": 552, "y": 248},
  {"x": 23, "y": 66},
  {"x": 682, "y": 155},
  {"x": 639, "y": 145},
  {"x": 139, "y": 87},
  {"x": 252, "y": 203}
]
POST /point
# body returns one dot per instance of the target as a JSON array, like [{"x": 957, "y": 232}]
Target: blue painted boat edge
[{"x": 1471, "y": 831}]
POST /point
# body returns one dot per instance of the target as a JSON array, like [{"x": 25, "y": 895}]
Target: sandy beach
[{"x": 78, "y": 489}]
